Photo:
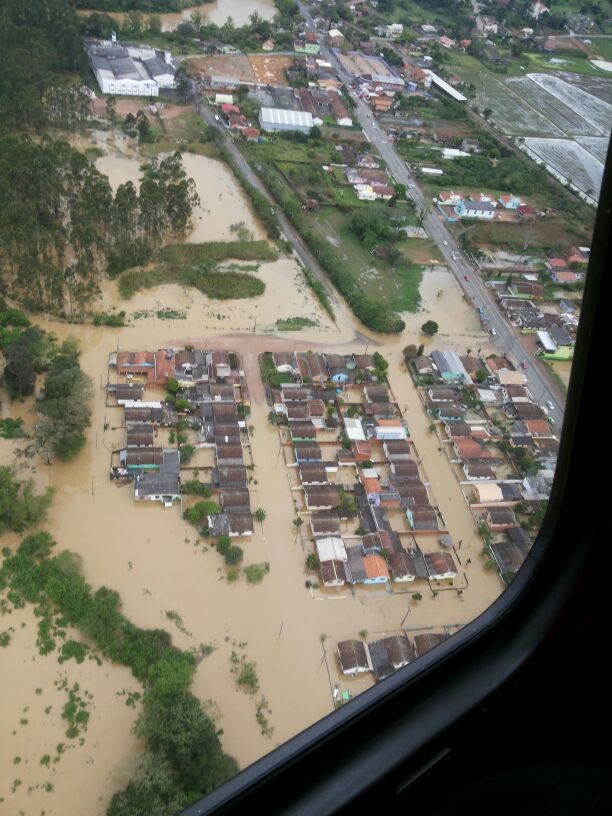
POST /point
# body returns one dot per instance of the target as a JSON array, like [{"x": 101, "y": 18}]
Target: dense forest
[
  {"x": 139, "y": 5},
  {"x": 61, "y": 228},
  {"x": 42, "y": 55}
]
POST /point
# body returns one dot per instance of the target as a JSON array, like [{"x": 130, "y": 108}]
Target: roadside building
[
  {"x": 324, "y": 524},
  {"x": 333, "y": 573},
  {"x": 440, "y": 566},
  {"x": 157, "y": 487},
  {"x": 354, "y": 657},
  {"x": 278, "y": 119},
  {"x": 423, "y": 643},
  {"x": 390, "y": 654},
  {"x": 407, "y": 565}
]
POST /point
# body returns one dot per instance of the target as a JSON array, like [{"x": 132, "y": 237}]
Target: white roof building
[
  {"x": 331, "y": 549},
  {"x": 279, "y": 119},
  {"x": 444, "y": 86},
  {"x": 130, "y": 70},
  {"x": 354, "y": 429}
]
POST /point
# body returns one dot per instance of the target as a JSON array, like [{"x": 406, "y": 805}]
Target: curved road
[{"x": 506, "y": 339}]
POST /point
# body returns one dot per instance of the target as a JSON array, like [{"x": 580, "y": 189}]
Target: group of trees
[
  {"x": 61, "y": 227},
  {"x": 25, "y": 350},
  {"x": 20, "y": 506},
  {"x": 64, "y": 408},
  {"x": 136, "y": 24},
  {"x": 183, "y": 758},
  {"x": 41, "y": 54}
]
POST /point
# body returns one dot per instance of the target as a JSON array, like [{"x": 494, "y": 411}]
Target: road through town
[{"x": 505, "y": 338}]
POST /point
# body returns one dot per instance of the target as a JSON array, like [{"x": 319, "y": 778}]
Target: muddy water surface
[
  {"x": 216, "y": 12},
  {"x": 222, "y": 201},
  {"x": 158, "y": 564}
]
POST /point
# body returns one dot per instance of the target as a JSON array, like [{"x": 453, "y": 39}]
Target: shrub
[
  {"x": 255, "y": 572},
  {"x": 223, "y": 545},
  {"x": 195, "y": 488},
  {"x": 234, "y": 555}
]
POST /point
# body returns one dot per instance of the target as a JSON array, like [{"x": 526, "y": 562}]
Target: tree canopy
[
  {"x": 41, "y": 53},
  {"x": 61, "y": 227},
  {"x": 20, "y": 506}
]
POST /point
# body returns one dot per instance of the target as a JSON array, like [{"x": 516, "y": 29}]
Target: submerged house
[{"x": 354, "y": 657}]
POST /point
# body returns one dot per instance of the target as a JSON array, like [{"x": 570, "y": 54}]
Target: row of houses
[
  {"x": 187, "y": 366},
  {"x": 388, "y": 654},
  {"x": 387, "y": 490},
  {"x": 314, "y": 367},
  {"x": 481, "y": 206},
  {"x": 207, "y": 382},
  {"x": 473, "y": 442}
]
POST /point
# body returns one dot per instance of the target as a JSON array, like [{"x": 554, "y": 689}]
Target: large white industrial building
[
  {"x": 278, "y": 119},
  {"x": 126, "y": 70}
]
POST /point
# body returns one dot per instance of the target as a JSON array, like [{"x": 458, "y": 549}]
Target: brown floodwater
[
  {"x": 222, "y": 201},
  {"x": 158, "y": 564},
  {"x": 216, "y": 12}
]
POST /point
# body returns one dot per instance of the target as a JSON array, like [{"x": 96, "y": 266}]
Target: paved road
[{"x": 505, "y": 338}]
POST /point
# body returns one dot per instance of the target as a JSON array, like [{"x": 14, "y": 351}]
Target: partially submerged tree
[{"x": 20, "y": 506}]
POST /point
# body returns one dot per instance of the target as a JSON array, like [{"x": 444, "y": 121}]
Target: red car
[
  {"x": 524, "y": 364},
  {"x": 466, "y": 277}
]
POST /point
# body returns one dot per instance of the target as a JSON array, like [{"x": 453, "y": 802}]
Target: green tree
[
  {"x": 430, "y": 327},
  {"x": 65, "y": 408},
  {"x": 176, "y": 726},
  {"x": 20, "y": 506},
  {"x": 154, "y": 790},
  {"x": 234, "y": 555},
  {"x": 200, "y": 510},
  {"x": 312, "y": 561},
  {"x": 260, "y": 515},
  {"x": 19, "y": 373}
]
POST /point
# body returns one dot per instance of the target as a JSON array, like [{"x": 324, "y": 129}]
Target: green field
[
  {"x": 397, "y": 286},
  {"x": 603, "y": 47}
]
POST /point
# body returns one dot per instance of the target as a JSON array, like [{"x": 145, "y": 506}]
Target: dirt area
[
  {"x": 125, "y": 106},
  {"x": 232, "y": 66},
  {"x": 270, "y": 70},
  {"x": 422, "y": 252},
  {"x": 357, "y": 64}
]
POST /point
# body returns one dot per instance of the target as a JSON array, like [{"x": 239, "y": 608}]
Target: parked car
[
  {"x": 492, "y": 330},
  {"x": 524, "y": 364},
  {"x": 550, "y": 405}
]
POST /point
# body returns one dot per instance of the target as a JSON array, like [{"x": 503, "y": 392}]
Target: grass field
[
  {"x": 190, "y": 265},
  {"x": 577, "y": 65},
  {"x": 603, "y": 47},
  {"x": 396, "y": 286},
  {"x": 551, "y": 234}
]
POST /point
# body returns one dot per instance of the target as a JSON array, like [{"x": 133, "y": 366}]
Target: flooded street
[{"x": 158, "y": 564}]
